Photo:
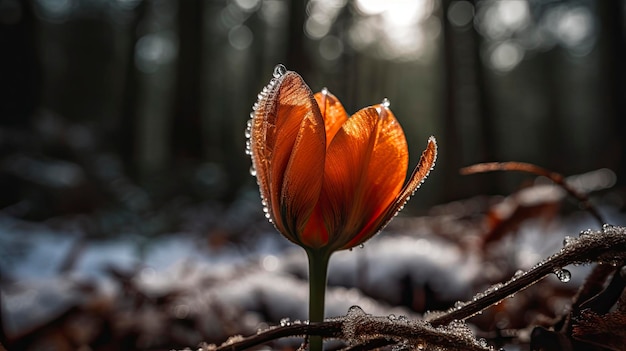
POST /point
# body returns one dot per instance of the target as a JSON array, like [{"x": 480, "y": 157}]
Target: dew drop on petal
[
  {"x": 279, "y": 70},
  {"x": 252, "y": 171},
  {"x": 564, "y": 275},
  {"x": 324, "y": 91},
  {"x": 386, "y": 103}
]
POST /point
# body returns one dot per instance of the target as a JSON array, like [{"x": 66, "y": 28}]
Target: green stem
[{"x": 318, "y": 269}]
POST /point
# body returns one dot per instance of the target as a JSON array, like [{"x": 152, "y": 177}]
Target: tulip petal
[
  {"x": 419, "y": 175},
  {"x": 333, "y": 113},
  {"x": 304, "y": 174},
  {"x": 288, "y": 146},
  {"x": 365, "y": 168}
]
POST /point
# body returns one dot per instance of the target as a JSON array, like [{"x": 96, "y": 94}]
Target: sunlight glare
[
  {"x": 371, "y": 7},
  {"x": 393, "y": 28}
]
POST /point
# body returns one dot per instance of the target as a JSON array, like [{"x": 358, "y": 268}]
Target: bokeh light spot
[
  {"x": 331, "y": 48},
  {"x": 240, "y": 37},
  {"x": 461, "y": 13},
  {"x": 56, "y": 11},
  {"x": 155, "y": 49},
  {"x": 506, "y": 55},
  {"x": 248, "y": 5}
]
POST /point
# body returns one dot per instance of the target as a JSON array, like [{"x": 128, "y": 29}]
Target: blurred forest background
[
  {"x": 136, "y": 105},
  {"x": 123, "y": 120}
]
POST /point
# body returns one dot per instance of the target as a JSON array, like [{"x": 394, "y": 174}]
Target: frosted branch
[
  {"x": 446, "y": 330},
  {"x": 606, "y": 246}
]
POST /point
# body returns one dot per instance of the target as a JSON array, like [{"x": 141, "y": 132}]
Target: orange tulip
[{"x": 328, "y": 182}]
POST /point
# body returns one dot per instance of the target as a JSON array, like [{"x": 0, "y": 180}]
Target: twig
[
  {"x": 607, "y": 246},
  {"x": 329, "y": 329},
  {"x": 557, "y": 178}
]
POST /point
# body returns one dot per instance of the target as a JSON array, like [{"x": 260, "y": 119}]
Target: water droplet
[
  {"x": 263, "y": 327},
  {"x": 361, "y": 246},
  {"x": 585, "y": 232},
  {"x": 355, "y": 311},
  {"x": 392, "y": 317},
  {"x": 482, "y": 342},
  {"x": 251, "y": 115},
  {"x": 567, "y": 240},
  {"x": 324, "y": 91},
  {"x": 564, "y": 275},
  {"x": 386, "y": 103},
  {"x": 285, "y": 322},
  {"x": 607, "y": 226},
  {"x": 252, "y": 171},
  {"x": 279, "y": 70}
]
